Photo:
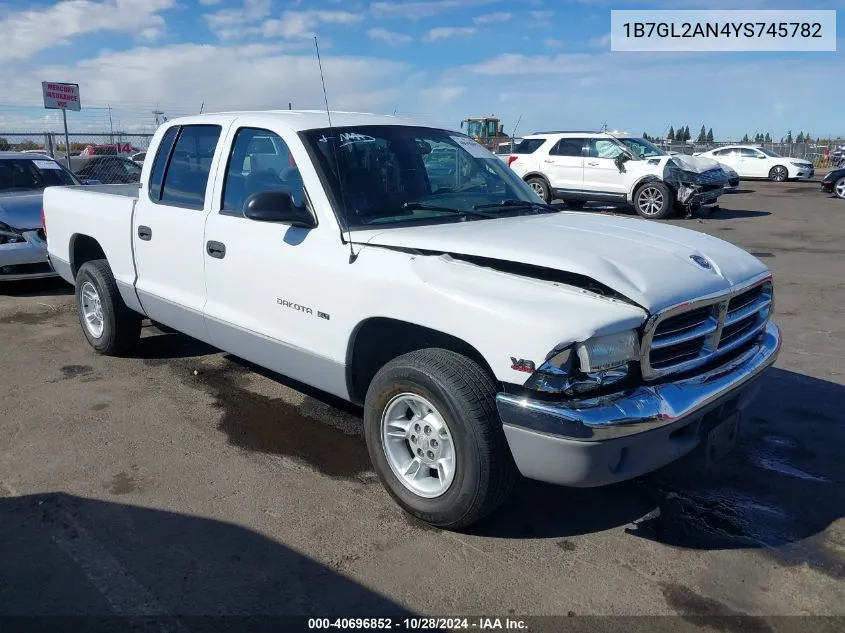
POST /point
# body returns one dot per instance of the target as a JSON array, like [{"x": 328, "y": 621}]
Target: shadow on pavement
[
  {"x": 779, "y": 490},
  {"x": 64, "y": 555},
  {"x": 52, "y": 286}
]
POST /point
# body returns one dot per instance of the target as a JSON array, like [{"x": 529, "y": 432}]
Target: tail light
[
  {"x": 43, "y": 222},
  {"x": 511, "y": 158}
]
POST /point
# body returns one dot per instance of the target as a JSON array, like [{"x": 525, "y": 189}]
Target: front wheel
[
  {"x": 110, "y": 327},
  {"x": 654, "y": 201},
  {"x": 839, "y": 188},
  {"x": 778, "y": 173},
  {"x": 435, "y": 439}
]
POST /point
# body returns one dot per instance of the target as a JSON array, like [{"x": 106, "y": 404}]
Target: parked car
[
  {"x": 109, "y": 170},
  {"x": 751, "y": 161},
  {"x": 578, "y": 167},
  {"x": 834, "y": 182},
  {"x": 139, "y": 157},
  {"x": 23, "y": 177},
  {"x": 485, "y": 333}
]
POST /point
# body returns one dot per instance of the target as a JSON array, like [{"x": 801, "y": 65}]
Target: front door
[
  {"x": 169, "y": 225},
  {"x": 601, "y": 174}
]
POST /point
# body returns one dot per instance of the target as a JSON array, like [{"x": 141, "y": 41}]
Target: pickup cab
[{"x": 486, "y": 334}]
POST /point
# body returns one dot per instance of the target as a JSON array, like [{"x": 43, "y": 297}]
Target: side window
[
  {"x": 722, "y": 152},
  {"x": 603, "y": 148},
  {"x": 750, "y": 153},
  {"x": 528, "y": 145},
  {"x": 568, "y": 147},
  {"x": 160, "y": 163},
  {"x": 186, "y": 176},
  {"x": 259, "y": 161}
]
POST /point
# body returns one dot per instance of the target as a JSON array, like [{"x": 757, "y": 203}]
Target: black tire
[
  {"x": 778, "y": 173},
  {"x": 657, "y": 190},
  {"x": 839, "y": 188},
  {"x": 121, "y": 327},
  {"x": 540, "y": 185},
  {"x": 464, "y": 395},
  {"x": 576, "y": 204}
]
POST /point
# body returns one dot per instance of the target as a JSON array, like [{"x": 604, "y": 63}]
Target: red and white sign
[{"x": 61, "y": 96}]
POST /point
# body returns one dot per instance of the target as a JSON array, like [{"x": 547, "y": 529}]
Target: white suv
[{"x": 578, "y": 167}]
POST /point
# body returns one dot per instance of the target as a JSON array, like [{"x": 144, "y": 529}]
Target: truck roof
[{"x": 299, "y": 120}]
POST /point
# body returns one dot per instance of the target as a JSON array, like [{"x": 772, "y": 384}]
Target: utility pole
[{"x": 111, "y": 126}]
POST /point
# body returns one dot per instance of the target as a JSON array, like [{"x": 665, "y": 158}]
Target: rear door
[
  {"x": 753, "y": 163},
  {"x": 169, "y": 226},
  {"x": 601, "y": 173},
  {"x": 564, "y": 166}
]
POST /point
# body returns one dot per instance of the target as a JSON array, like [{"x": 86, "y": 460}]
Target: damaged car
[
  {"x": 579, "y": 167},
  {"x": 405, "y": 268}
]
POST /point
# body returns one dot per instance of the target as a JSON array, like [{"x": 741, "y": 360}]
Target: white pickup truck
[{"x": 407, "y": 269}]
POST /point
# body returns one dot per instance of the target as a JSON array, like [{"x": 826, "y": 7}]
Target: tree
[
  {"x": 671, "y": 135},
  {"x": 789, "y": 137},
  {"x": 745, "y": 139},
  {"x": 4, "y": 145},
  {"x": 710, "y": 135},
  {"x": 645, "y": 136},
  {"x": 767, "y": 139},
  {"x": 687, "y": 135},
  {"x": 800, "y": 137},
  {"x": 702, "y": 135}
]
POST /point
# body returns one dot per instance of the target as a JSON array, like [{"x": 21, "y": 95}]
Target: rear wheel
[
  {"x": 435, "y": 438},
  {"x": 654, "y": 201},
  {"x": 778, "y": 173},
  {"x": 110, "y": 327},
  {"x": 839, "y": 188},
  {"x": 541, "y": 187}
]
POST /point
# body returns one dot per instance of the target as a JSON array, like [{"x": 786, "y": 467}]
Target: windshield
[
  {"x": 642, "y": 148},
  {"x": 769, "y": 152},
  {"x": 32, "y": 174},
  {"x": 396, "y": 175}
]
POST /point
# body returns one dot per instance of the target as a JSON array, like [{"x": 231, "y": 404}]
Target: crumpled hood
[
  {"x": 21, "y": 211},
  {"x": 646, "y": 261},
  {"x": 698, "y": 164}
]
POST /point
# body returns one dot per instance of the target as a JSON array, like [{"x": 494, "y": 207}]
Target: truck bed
[{"x": 103, "y": 212}]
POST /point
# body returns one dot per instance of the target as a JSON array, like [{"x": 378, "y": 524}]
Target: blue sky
[{"x": 546, "y": 61}]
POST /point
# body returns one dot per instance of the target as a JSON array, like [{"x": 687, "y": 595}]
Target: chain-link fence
[
  {"x": 818, "y": 153},
  {"x": 108, "y": 158}
]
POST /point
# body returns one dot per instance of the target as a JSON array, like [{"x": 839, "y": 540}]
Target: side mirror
[
  {"x": 620, "y": 160},
  {"x": 278, "y": 207}
]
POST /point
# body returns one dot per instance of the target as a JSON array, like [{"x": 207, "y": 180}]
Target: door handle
[
  {"x": 145, "y": 233},
  {"x": 548, "y": 160},
  {"x": 592, "y": 164},
  {"x": 216, "y": 249}
]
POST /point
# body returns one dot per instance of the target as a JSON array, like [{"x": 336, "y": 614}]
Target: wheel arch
[
  {"x": 378, "y": 340},
  {"x": 83, "y": 248}
]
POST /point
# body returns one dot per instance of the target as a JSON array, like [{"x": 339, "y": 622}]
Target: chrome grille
[{"x": 685, "y": 337}]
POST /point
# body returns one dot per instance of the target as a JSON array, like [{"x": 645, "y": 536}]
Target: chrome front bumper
[
  {"x": 22, "y": 260},
  {"x": 610, "y": 438}
]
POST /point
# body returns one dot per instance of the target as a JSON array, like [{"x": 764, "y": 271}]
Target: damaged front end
[{"x": 697, "y": 182}]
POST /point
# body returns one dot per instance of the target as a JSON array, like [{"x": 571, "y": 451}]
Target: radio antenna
[{"x": 352, "y": 254}]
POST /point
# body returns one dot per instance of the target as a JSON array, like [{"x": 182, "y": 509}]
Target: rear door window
[
  {"x": 569, "y": 147},
  {"x": 186, "y": 175},
  {"x": 528, "y": 146}
]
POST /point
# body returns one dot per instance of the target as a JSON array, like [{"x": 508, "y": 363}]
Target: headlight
[
  {"x": 607, "y": 352},
  {"x": 9, "y": 235},
  {"x": 584, "y": 367},
  {"x": 800, "y": 165}
]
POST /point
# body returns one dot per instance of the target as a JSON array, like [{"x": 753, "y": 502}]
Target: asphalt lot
[{"x": 181, "y": 481}]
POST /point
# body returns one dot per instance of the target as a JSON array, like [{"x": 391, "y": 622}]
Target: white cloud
[
  {"x": 228, "y": 24},
  {"x": 151, "y": 33},
  {"x": 389, "y": 37},
  {"x": 600, "y": 42},
  {"x": 514, "y": 64},
  {"x": 423, "y": 9},
  {"x": 25, "y": 33},
  {"x": 445, "y": 32},
  {"x": 210, "y": 3},
  {"x": 443, "y": 94},
  {"x": 491, "y": 18},
  {"x": 299, "y": 24},
  {"x": 551, "y": 42},
  {"x": 541, "y": 15}
]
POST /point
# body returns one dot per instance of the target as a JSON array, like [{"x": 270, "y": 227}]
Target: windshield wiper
[
  {"x": 421, "y": 206},
  {"x": 511, "y": 204}
]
